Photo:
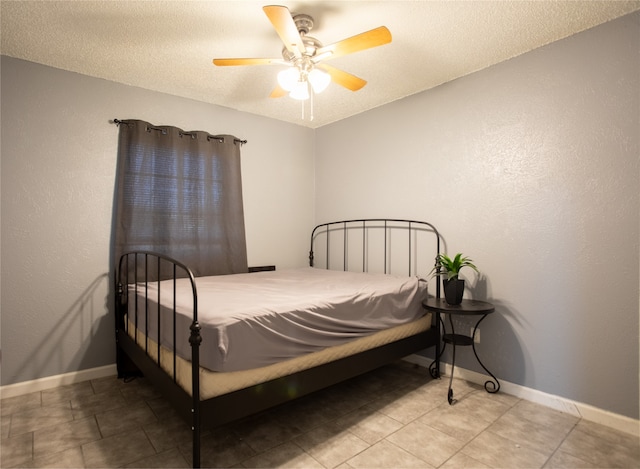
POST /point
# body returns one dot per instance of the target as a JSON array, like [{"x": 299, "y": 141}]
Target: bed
[{"x": 222, "y": 348}]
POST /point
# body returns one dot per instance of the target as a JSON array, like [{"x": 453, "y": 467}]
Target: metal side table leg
[
  {"x": 495, "y": 384},
  {"x": 453, "y": 365},
  {"x": 434, "y": 367}
]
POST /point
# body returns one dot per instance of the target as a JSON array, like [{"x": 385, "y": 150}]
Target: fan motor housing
[
  {"x": 311, "y": 45},
  {"x": 304, "y": 23}
]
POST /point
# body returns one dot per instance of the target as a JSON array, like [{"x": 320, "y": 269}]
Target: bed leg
[
  {"x": 195, "y": 339},
  {"x": 127, "y": 370}
]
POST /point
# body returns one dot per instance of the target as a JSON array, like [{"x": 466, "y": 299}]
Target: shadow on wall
[
  {"x": 81, "y": 339},
  {"x": 499, "y": 349}
]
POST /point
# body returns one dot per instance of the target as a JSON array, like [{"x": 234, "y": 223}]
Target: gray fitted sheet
[{"x": 258, "y": 319}]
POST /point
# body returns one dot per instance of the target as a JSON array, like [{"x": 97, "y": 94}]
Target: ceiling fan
[{"x": 304, "y": 55}]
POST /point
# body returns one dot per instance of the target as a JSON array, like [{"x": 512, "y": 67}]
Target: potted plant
[{"x": 449, "y": 268}]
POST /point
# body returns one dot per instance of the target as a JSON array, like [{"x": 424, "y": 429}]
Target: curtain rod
[{"x": 235, "y": 140}]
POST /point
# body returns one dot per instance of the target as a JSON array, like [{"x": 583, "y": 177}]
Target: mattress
[
  {"x": 214, "y": 384},
  {"x": 255, "y": 320}
]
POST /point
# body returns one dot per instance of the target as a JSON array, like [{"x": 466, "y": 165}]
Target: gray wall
[
  {"x": 58, "y": 174},
  {"x": 531, "y": 168}
]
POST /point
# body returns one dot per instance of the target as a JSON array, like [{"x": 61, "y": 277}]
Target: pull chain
[{"x": 311, "y": 100}]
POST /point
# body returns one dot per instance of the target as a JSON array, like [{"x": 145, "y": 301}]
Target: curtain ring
[{"x": 150, "y": 128}]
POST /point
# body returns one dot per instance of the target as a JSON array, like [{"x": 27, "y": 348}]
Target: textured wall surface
[
  {"x": 58, "y": 175},
  {"x": 531, "y": 167}
]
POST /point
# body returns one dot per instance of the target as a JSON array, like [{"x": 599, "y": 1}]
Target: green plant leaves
[{"x": 451, "y": 267}]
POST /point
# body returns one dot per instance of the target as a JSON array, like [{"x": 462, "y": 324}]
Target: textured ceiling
[{"x": 168, "y": 46}]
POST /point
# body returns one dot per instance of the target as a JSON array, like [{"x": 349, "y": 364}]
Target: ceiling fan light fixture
[
  {"x": 301, "y": 80},
  {"x": 288, "y": 78},
  {"x": 300, "y": 91},
  {"x": 319, "y": 80}
]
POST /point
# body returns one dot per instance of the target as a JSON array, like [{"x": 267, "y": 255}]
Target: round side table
[{"x": 466, "y": 308}]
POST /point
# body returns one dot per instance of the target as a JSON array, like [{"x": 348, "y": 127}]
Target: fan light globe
[
  {"x": 288, "y": 78},
  {"x": 319, "y": 80},
  {"x": 300, "y": 91}
]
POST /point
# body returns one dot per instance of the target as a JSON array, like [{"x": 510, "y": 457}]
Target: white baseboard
[
  {"x": 577, "y": 409},
  {"x": 26, "y": 387}
]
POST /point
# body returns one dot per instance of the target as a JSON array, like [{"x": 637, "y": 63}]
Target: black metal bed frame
[{"x": 144, "y": 267}]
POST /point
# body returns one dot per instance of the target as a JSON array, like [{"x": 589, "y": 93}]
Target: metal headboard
[{"x": 386, "y": 242}]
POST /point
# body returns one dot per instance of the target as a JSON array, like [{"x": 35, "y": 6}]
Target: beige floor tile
[
  {"x": 502, "y": 397},
  {"x": 64, "y": 436},
  {"x": 537, "y": 413},
  {"x": 385, "y": 454},
  {"x": 169, "y": 459},
  {"x": 344, "y": 466},
  {"x": 263, "y": 432},
  {"x": 5, "y": 425},
  {"x": 287, "y": 455},
  {"x": 38, "y": 418},
  {"x": 117, "y": 450},
  {"x": 542, "y": 437},
  {"x": 165, "y": 434},
  {"x": 331, "y": 445},
  {"x": 368, "y": 424},
  {"x": 16, "y": 450},
  {"x": 497, "y": 451},
  {"x": 481, "y": 405},
  {"x": 462, "y": 461},
  {"x": 406, "y": 407},
  {"x": 304, "y": 415},
  {"x": 137, "y": 390},
  {"x": 110, "y": 383},
  {"x": 162, "y": 408},
  {"x": 389, "y": 378},
  {"x": 12, "y": 405},
  {"x": 377, "y": 384},
  {"x": 92, "y": 404},
  {"x": 342, "y": 400},
  {"x": 608, "y": 434},
  {"x": 426, "y": 443},
  {"x": 461, "y": 388},
  {"x": 70, "y": 458},
  {"x": 66, "y": 393},
  {"x": 602, "y": 446},
  {"x": 562, "y": 460},
  {"x": 220, "y": 448},
  {"x": 455, "y": 421},
  {"x": 138, "y": 414}
]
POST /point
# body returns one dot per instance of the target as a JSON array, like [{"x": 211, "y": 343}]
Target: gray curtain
[{"x": 180, "y": 194}]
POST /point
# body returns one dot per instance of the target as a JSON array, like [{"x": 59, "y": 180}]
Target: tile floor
[{"x": 394, "y": 417}]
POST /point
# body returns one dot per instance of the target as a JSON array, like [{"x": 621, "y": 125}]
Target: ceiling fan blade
[
  {"x": 229, "y": 62},
  {"x": 342, "y": 78},
  {"x": 282, "y": 21},
  {"x": 278, "y": 92},
  {"x": 373, "y": 38}
]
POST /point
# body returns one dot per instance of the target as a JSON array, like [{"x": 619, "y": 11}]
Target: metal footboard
[{"x": 138, "y": 269}]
